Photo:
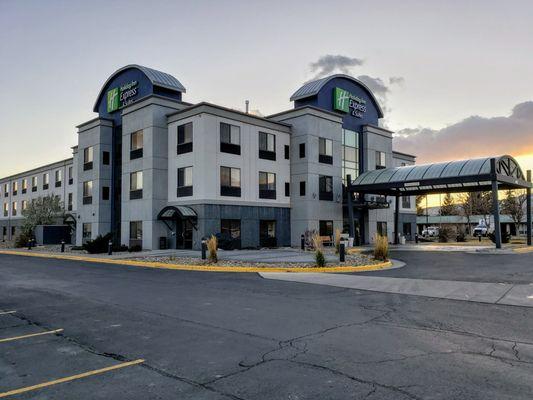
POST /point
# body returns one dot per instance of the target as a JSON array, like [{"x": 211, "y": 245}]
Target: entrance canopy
[
  {"x": 172, "y": 213},
  {"x": 473, "y": 175}
]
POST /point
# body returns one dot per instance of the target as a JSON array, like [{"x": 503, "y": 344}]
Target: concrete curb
[{"x": 202, "y": 268}]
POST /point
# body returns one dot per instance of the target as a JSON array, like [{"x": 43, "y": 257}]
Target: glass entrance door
[{"x": 183, "y": 234}]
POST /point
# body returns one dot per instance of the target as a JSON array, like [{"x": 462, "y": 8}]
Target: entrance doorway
[
  {"x": 180, "y": 221},
  {"x": 183, "y": 234}
]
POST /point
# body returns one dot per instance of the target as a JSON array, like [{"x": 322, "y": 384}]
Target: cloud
[
  {"x": 474, "y": 136},
  {"x": 325, "y": 65},
  {"x": 396, "y": 80}
]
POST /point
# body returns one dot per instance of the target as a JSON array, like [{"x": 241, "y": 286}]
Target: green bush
[
  {"x": 445, "y": 234},
  {"x": 22, "y": 240},
  {"x": 136, "y": 247},
  {"x": 320, "y": 260},
  {"x": 98, "y": 245}
]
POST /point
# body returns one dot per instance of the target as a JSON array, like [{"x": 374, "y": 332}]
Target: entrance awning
[{"x": 173, "y": 213}]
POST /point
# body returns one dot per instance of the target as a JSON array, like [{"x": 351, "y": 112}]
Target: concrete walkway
[{"x": 493, "y": 293}]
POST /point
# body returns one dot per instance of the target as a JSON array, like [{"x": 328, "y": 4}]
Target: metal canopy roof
[
  {"x": 454, "y": 176},
  {"x": 171, "y": 213}
]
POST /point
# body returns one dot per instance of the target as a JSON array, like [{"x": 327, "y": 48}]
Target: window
[
  {"x": 230, "y": 181},
  {"x": 302, "y": 188},
  {"x": 46, "y": 181},
  {"x": 325, "y": 228},
  {"x": 267, "y": 185},
  {"x": 231, "y": 228},
  {"x": 6, "y": 209},
  {"x": 287, "y": 152},
  {"x": 381, "y": 228},
  {"x": 24, "y": 186},
  {"x": 406, "y": 201},
  {"x": 23, "y": 205},
  {"x": 6, "y": 189},
  {"x": 105, "y": 192},
  {"x": 380, "y": 160},
  {"x": 70, "y": 176},
  {"x": 14, "y": 209},
  {"x": 350, "y": 155},
  {"x": 34, "y": 184},
  {"x": 15, "y": 188},
  {"x": 88, "y": 158},
  {"x": 136, "y": 233},
  {"x": 302, "y": 150},
  {"x": 267, "y": 233},
  {"x": 184, "y": 182},
  {"x": 69, "y": 203},
  {"x": 88, "y": 192},
  {"x": 325, "y": 187},
  {"x": 136, "y": 145},
  {"x": 185, "y": 138},
  {"x": 230, "y": 138},
  {"x": 136, "y": 185},
  {"x": 58, "y": 178},
  {"x": 407, "y": 230},
  {"x": 325, "y": 151},
  {"x": 267, "y": 146},
  {"x": 287, "y": 189},
  {"x": 13, "y": 231},
  {"x": 86, "y": 231},
  {"x": 105, "y": 158}
]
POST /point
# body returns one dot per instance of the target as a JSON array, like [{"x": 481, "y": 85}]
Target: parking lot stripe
[
  {"x": 30, "y": 335},
  {"x": 7, "y": 312},
  {"x": 70, "y": 378}
]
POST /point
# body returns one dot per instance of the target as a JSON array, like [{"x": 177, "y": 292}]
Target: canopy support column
[
  {"x": 350, "y": 206},
  {"x": 496, "y": 205},
  {"x": 528, "y": 209},
  {"x": 396, "y": 220}
]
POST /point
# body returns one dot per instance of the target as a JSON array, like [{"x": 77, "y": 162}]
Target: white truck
[{"x": 481, "y": 228}]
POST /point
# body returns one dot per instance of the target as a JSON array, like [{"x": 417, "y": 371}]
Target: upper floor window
[
  {"x": 287, "y": 152},
  {"x": 406, "y": 201},
  {"x": 87, "y": 192},
  {"x": 33, "y": 183},
  {"x": 86, "y": 231},
  {"x": 136, "y": 185},
  {"x": 230, "y": 138},
  {"x": 267, "y": 185},
  {"x": 15, "y": 188},
  {"x": 88, "y": 158},
  {"x": 46, "y": 181},
  {"x": 267, "y": 146},
  {"x": 6, "y": 189},
  {"x": 136, "y": 145},
  {"x": 58, "y": 177},
  {"x": 184, "y": 182},
  {"x": 14, "y": 209},
  {"x": 23, "y": 205},
  {"x": 325, "y": 151},
  {"x": 230, "y": 181},
  {"x": 70, "y": 176},
  {"x": 24, "y": 186},
  {"x": 380, "y": 160},
  {"x": 302, "y": 150},
  {"x": 106, "y": 158},
  {"x": 185, "y": 138},
  {"x": 6, "y": 209},
  {"x": 302, "y": 188},
  {"x": 325, "y": 187},
  {"x": 69, "y": 202},
  {"x": 350, "y": 155}
]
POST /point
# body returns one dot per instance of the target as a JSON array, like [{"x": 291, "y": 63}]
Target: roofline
[
  {"x": 304, "y": 107},
  {"x": 327, "y": 79},
  {"x": 403, "y": 154},
  {"x": 33, "y": 170}
]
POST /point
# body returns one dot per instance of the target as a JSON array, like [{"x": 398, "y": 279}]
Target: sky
[{"x": 454, "y": 77}]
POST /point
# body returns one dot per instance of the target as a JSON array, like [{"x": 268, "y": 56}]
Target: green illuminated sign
[
  {"x": 346, "y": 102},
  {"x": 121, "y": 96},
  {"x": 112, "y": 100}
]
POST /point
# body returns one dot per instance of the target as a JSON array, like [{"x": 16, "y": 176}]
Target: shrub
[
  {"x": 22, "y": 239},
  {"x": 506, "y": 237},
  {"x": 212, "y": 248},
  {"x": 319, "y": 254},
  {"x": 98, "y": 245},
  {"x": 461, "y": 235},
  {"x": 445, "y": 234},
  {"x": 381, "y": 248},
  {"x": 337, "y": 241},
  {"x": 135, "y": 247}
]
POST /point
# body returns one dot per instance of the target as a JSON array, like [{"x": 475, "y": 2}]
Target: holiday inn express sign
[
  {"x": 346, "y": 102},
  {"x": 121, "y": 96}
]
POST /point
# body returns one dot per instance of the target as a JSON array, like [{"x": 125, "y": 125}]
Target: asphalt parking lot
[{"x": 138, "y": 333}]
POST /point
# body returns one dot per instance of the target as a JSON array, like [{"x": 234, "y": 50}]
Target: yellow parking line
[
  {"x": 30, "y": 335},
  {"x": 70, "y": 378},
  {"x": 7, "y": 312}
]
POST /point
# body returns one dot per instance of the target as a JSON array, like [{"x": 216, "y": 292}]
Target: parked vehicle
[
  {"x": 431, "y": 231},
  {"x": 481, "y": 229}
]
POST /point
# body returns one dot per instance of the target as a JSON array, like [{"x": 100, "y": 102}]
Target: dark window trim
[
  {"x": 106, "y": 158},
  {"x": 15, "y": 192},
  {"x": 136, "y": 194},
  {"x": 302, "y": 188},
  {"x": 88, "y": 200},
  {"x": 325, "y": 196},
  {"x": 184, "y": 148},
  {"x": 134, "y": 154},
  {"x": 88, "y": 166},
  {"x": 34, "y": 188},
  {"x": 70, "y": 181},
  {"x": 287, "y": 189},
  {"x": 230, "y": 148},
  {"x": 287, "y": 152},
  {"x": 302, "y": 150},
  {"x": 24, "y": 191},
  {"x": 324, "y": 159},
  {"x": 267, "y": 194},
  {"x": 267, "y": 155},
  {"x": 69, "y": 207},
  {"x": 58, "y": 184},
  {"x": 230, "y": 191},
  {"x": 104, "y": 189},
  {"x": 45, "y": 186},
  {"x": 184, "y": 191},
  {"x": 6, "y": 194}
]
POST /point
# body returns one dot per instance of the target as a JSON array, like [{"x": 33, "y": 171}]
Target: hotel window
[
  {"x": 325, "y": 187},
  {"x": 184, "y": 138},
  {"x": 136, "y": 145},
  {"x": 267, "y": 146},
  {"x": 380, "y": 160},
  {"x": 6, "y": 209},
  {"x": 302, "y": 188},
  {"x": 70, "y": 177},
  {"x": 33, "y": 183},
  {"x": 88, "y": 158},
  {"x": 106, "y": 158},
  {"x": 406, "y": 201},
  {"x": 105, "y": 192},
  {"x": 267, "y": 185},
  {"x": 14, "y": 209},
  {"x": 69, "y": 203},
  {"x": 381, "y": 228},
  {"x": 325, "y": 151},
  {"x": 23, "y": 205},
  {"x": 325, "y": 228},
  {"x": 184, "y": 182},
  {"x": 267, "y": 233},
  {"x": 88, "y": 192},
  {"x": 287, "y": 189},
  {"x": 24, "y": 186},
  {"x": 230, "y": 182},
  {"x": 350, "y": 155},
  {"x": 230, "y": 138},
  {"x": 15, "y": 188},
  {"x": 46, "y": 181},
  {"x": 6, "y": 189},
  {"x": 58, "y": 178},
  {"x": 231, "y": 228},
  {"x": 302, "y": 150},
  {"x": 136, "y": 233},
  {"x": 136, "y": 185},
  {"x": 287, "y": 152},
  {"x": 86, "y": 231}
]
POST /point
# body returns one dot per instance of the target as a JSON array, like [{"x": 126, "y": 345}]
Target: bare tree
[
  {"x": 419, "y": 208},
  {"x": 448, "y": 207},
  {"x": 465, "y": 205},
  {"x": 513, "y": 205}
]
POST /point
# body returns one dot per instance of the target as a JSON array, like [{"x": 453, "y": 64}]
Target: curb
[{"x": 203, "y": 268}]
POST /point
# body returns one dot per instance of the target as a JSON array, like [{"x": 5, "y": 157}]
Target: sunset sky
[{"x": 454, "y": 78}]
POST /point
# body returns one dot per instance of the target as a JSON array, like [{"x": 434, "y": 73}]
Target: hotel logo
[
  {"x": 112, "y": 100},
  {"x": 121, "y": 96},
  {"x": 346, "y": 102}
]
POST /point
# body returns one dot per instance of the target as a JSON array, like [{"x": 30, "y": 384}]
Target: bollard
[
  {"x": 110, "y": 248},
  {"x": 204, "y": 249},
  {"x": 416, "y": 238},
  {"x": 342, "y": 253},
  {"x": 479, "y": 237},
  {"x": 62, "y": 246},
  {"x": 29, "y": 244},
  {"x": 302, "y": 242}
]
